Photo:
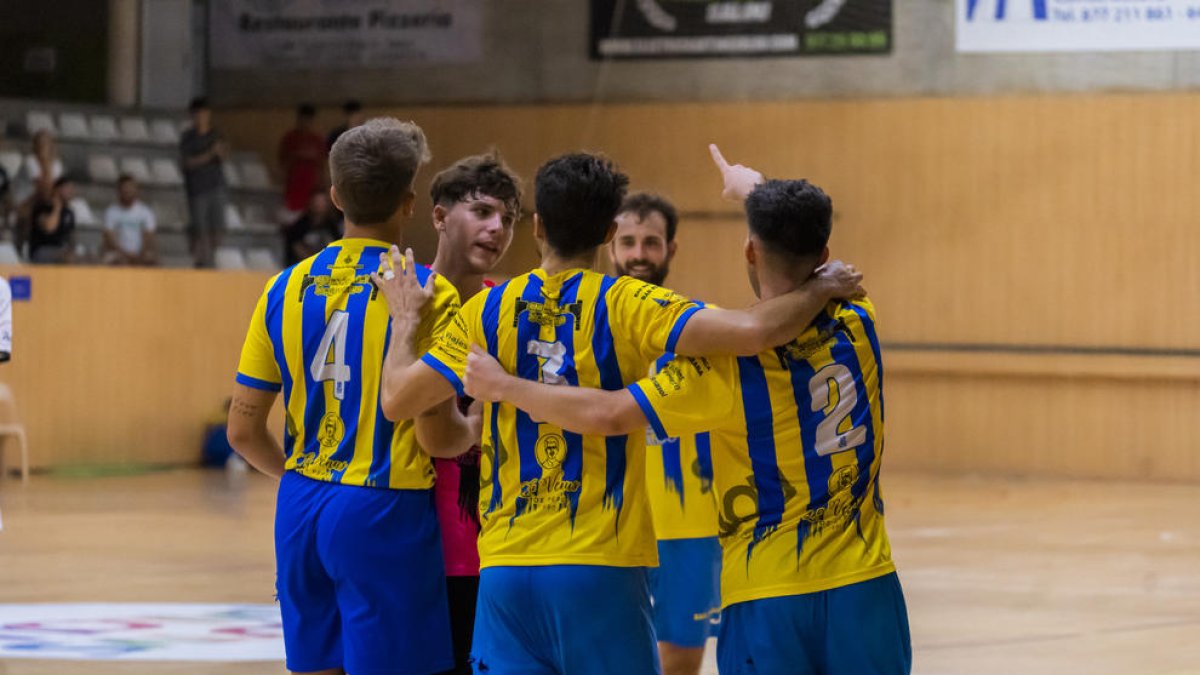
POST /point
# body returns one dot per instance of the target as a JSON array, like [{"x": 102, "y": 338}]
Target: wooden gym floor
[{"x": 1001, "y": 576}]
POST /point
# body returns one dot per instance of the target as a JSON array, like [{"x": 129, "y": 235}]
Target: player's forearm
[
  {"x": 750, "y": 331},
  {"x": 261, "y": 451},
  {"x": 583, "y": 410},
  {"x": 446, "y": 433},
  {"x": 396, "y": 388}
]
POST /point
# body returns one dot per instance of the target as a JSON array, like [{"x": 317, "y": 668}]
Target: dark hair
[
  {"x": 124, "y": 178},
  {"x": 373, "y": 166},
  {"x": 352, "y": 106},
  {"x": 793, "y": 217},
  {"x": 306, "y": 110},
  {"x": 198, "y": 103},
  {"x": 577, "y": 197},
  {"x": 63, "y": 180},
  {"x": 643, "y": 204},
  {"x": 485, "y": 175}
]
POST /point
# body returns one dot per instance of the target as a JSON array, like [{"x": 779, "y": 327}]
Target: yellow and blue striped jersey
[
  {"x": 679, "y": 481},
  {"x": 320, "y": 333},
  {"x": 797, "y": 482},
  {"x": 549, "y": 496}
]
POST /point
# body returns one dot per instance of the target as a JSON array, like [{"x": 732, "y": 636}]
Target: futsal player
[
  {"x": 685, "y": 587},
  {"x": 360, "y": 577},
  {"x": 477, "y": 202},
  {"x": 808, "y": 581},
  {"x": 566, "y": 526}
]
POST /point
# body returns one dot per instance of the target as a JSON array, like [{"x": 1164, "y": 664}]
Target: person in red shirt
[{"x": 302, "y": 155}]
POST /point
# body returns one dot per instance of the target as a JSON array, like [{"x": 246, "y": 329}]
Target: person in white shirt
[{"x": 129, "y": 227}]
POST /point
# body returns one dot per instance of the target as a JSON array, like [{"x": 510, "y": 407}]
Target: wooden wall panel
[{"x": 124, "y": 366}]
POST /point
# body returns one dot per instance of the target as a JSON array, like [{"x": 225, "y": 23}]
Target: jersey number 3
[
  {"x": 333, "y": 343},
  {"x": 820, "y": 388}
]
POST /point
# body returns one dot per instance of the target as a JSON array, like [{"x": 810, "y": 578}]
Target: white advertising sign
[
  {"x": 1077, "y": 25},
  {"x": 330, "y": 34}
]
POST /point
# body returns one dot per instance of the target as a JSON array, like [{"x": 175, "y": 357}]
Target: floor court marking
[{"x": 141, "y": 632}]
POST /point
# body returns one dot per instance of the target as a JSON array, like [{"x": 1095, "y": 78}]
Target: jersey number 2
[
  {"x": 334, "y": 340},
  {"x": 820, "y": 387}
]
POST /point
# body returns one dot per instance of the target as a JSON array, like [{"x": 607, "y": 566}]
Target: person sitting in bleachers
[
  {"x": 44, "y": 166},
  {"x": 52, "y": 225},
  {"x": 129, "y": 228},
  {"x": 316, "y": 227},
  {"x": 354, "y": 116}
]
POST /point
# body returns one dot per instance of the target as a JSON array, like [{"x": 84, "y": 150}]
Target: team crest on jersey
[
  {"x": 547, "y": 314},
  {"x": 332, "y": 430},
  {"x": 550, "y": 451},
  {"x": 342, "y": 275}
]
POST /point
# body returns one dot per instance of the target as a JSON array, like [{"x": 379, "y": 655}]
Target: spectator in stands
[
  {"x": 302, "y": 156},
  {"x": 319, "y": 225},
  {"x": 203, "y": 151},
  {"x": 6, "y": 198},
  {"x": 52, "y": 232},
  {"x": 353, "y": 111},
  {"x": 44, "y": 166},
  {"x": 129, "y": 227}
]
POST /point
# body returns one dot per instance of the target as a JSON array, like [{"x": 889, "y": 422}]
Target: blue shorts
[
  {"x": 860, "y": 629},
  {"x": 577, "y": 619},
  {"x": 360, "y": 579},
  {"x": 686, "y": 589}
]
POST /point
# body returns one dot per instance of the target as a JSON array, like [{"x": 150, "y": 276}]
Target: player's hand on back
[
  {"x": 485, "y": 377},
  {"x": 739, "y": 180},
  {"x": 398, "y": 282},
  {"x": 841, "y": 280}
]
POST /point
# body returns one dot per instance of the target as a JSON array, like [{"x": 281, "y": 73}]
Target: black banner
[{"x": 640, "y": 29}]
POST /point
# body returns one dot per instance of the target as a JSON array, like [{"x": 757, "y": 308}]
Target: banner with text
[
  {"x": 1077, "y": 25},
  {"x": 330, "y": 34},
  {"x": 707, "y": 28}
]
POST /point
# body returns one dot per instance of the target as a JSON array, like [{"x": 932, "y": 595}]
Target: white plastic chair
[
  {"x": 138, "y": 168},
  {"x": 233, "y": 218},
  {"x": 232, "y": 178},
  {"x": 74, "y": 125},
  {"x": 8, "y": 254},
  {"x": 134, "y": 130},
  {"x": 254, "y": 175},
  {"x": 255, "y": 214},
  {"x": 166, "y": 172},
  {"x": 229, "y": 258},
  {"x": 164, "y": 132},
  {"x": 104, "y": 128},
  {"x": 262, "y": 260},
  {"x": 83, "y": 212},
  {"x": 10, "y": 425},
  {"x": 11, "y": 161},
  {"x": 103, "y": 169},
  {"x": 38, "y": 120}
]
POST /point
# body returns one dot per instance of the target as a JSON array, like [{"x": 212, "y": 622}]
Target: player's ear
[
  {"x": 671, "y": 250},
  {"x": 824, "y": 257},
  {"x": 539, "y": 230},
  {"x": 612, "y": 232},
  {"x": 748, "y": 249},
  {"x": 439, "y": 217},
  {"x": 333, "y": 197}
]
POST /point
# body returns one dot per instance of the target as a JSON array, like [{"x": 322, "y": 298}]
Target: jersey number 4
[
  {"x": 329, "y": 363},
  {"x": 820, "y": 388}
]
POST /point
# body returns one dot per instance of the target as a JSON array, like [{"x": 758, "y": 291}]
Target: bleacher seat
[
  {"x": 138, "y": 168},
  {"x": 232, "y": 178},
  {"x": 134, "y": 130},
  {"x": 261, "y": 259},
  {"x": 83, "y": 212},
  {"x": 37, "y": 120},
  {"x": 168, "y": 214},
  {"x": 229, "y": 258},
  {"x": 104, "y": 128},
  {"x": 103, "y": 169},
  {"x": 255, "y": 214},
  {"x": 164, "y": 132},
  {"x": 254, "y": 175},
  {"x": 233, "y": 218},
  {"x": 8, "y": 254},
  {"x": 74, "y": 125},
  {"x": 11, "y": 161},
  {"x": 166, "y": 172}
]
